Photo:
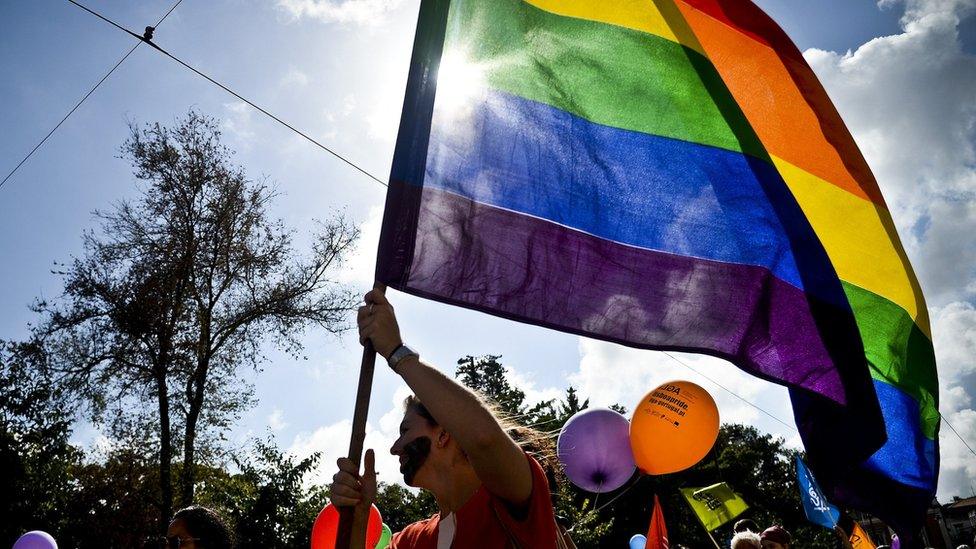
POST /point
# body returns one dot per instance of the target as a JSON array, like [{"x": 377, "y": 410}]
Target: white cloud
[
  {"x": 954, "y": 330},
  {"x": 384, "y": 119},
  {"x": 958, "y": 469},
  {"x": 360, "y": 266},
  {"x": 527, "y": 384},
  {"x": 237, "y": 122},
  {"x": 276, "y": 420},
  {"x": 335, "y": 118},
  {"x": 293, "y": 78},
  {"x": 348, "y": 104},
  {"x": 340, "y": 11},
  {"x": 916, "y": 10},
  {"x": 333, "y": 442},
  {"x": 909, "y": 101}
]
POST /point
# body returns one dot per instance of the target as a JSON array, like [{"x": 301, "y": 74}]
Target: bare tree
[{"x": 181, "y": 288}]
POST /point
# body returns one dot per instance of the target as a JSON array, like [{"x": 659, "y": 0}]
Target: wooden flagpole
[
  {"x": 413, "y": 135},
  {"x": 344, "y": 533}
]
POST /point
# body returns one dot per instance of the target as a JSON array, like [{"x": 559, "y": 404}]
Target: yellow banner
[{"x": 714, "y": 505}]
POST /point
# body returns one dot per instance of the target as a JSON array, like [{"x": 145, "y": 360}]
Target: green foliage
[
  {"x": 113, "y": 499},
  {"x": 114, "y": 502},
  {"x": 178, "y": 291},
  {"x": 487, "y": 376},
  {"x": 588, "y": 527},
  {"x": 269, "y": 500},
  {"x": 46, "y": 483},
  {"x": 35, "y": 456}
]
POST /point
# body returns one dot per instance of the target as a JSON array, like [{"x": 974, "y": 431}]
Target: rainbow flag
[{"x": 669, "y": 174}]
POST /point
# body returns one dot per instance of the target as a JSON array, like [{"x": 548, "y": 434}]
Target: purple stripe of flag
[{"x": 535, "y": 271}]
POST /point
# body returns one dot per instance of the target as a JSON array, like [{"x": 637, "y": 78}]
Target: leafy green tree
[
  {"x": 270, "y": 500},
  {"x": 486, "y": 375},
  {"x": 47, "y": 483},
  {"x": 179, "y": 290},
  {"x": 113, "y": 503},
  {"x": 35, "y": 455}
]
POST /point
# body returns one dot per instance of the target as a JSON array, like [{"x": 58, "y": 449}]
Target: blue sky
[{"x": 902, "y": 74}]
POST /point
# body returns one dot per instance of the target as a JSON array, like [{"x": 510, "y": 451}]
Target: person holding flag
[{"x": 489, "y": 491}]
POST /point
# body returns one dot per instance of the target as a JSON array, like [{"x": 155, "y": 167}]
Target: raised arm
[{"x": 498, "y": 461}]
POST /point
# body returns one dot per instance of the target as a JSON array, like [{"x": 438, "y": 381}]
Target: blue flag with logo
[{"x": 818, "y": 509}]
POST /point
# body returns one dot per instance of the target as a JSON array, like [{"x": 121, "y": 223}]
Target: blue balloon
[
  {"x": 639, "y": 541},
  {"x": 36, "y": 540}
]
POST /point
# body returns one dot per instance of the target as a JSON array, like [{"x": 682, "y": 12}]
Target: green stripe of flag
[
  {"x": 899, "y": 353},
  {"x": 607, "y": 74}
]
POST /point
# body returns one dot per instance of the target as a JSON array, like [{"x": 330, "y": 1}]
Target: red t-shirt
[{"x": 478, "y": 525}]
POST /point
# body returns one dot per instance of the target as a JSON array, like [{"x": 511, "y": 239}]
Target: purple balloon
[
  {"x": 36, "y": 540},
  {"x": 594, "y": 448}
]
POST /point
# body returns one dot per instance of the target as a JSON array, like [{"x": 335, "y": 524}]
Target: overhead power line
[
  {"x": 729, "y": 391},
  {"x": 957, "y": 433},
  {"x": 232, "y": 92},
  {"x": 147, "y": 39},
  {"x": 82, "y": 100}
]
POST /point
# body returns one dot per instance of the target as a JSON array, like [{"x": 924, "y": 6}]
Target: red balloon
[{"x": 327, "y": 525}]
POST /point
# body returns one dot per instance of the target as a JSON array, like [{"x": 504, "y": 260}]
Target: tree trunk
[
  {"x": 188, "y": 476},
  {"x": 165, "y": 454},
  {"x": 196, "y": 392}
]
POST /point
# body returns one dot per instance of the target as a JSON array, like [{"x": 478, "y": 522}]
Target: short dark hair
[
  {"x": 412, "y": 402},
  {"x": 207, "y": 525}
]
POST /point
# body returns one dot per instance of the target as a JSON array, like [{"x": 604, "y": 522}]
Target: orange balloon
[
  {"x": 673, "y": 427},
  {"x": 327, "y": 526}
]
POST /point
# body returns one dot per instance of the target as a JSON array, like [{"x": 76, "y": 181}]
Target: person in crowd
[
  {"x": 775, "y": 537},
  {"x": 746, "y": 525},
  {"x": 490, "y": 492},
  {"x": 746, "y": 539},
  {"x": 196, "y": 527}
]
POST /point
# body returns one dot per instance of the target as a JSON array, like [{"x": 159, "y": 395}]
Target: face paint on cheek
[{"x": 416, "y": 452}]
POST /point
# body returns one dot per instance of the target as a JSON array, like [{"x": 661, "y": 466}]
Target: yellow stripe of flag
[
  {"x": 860, "y": 240},
  {"x": 641, "y": 15}
]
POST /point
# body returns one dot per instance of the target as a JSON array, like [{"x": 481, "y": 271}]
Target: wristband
[{"x": 399, "y": 354}]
